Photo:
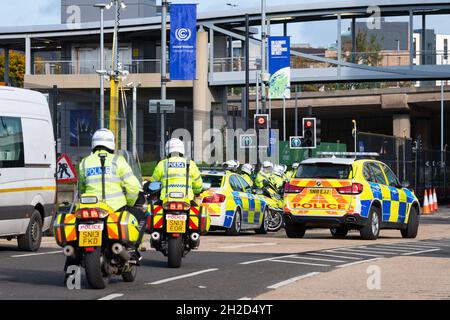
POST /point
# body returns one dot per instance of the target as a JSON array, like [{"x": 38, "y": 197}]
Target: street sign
[
  {"x": 247, "y": 141},
  {"x": 295, "y": 142},
  {"x": 66, "y": 172},
  {"x": 157, "y": 106}
]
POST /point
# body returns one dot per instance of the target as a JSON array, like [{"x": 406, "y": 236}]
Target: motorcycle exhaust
[
  {"x": 120, "y": 251},
  {"x": 156, "y": 236},
  {"x": 69, "y": 251},
  {"x": 194, "y": 240},
  {"x": 195, "y": 236}
]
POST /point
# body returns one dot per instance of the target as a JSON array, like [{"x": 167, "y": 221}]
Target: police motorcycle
[
  {"x": 175, "y": 223},
  {"x": 97, "y": 238},
  {"x": 274, "y": 200}
]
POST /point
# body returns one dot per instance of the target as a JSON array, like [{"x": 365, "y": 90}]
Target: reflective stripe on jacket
[
  {"x": 172, "y": 173},
  {"x": 121, "y": 185},
  {"x": 248, "y": 179}
]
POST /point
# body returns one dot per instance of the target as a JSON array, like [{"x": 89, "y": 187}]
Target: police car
[
  {"x": 348, "y": 194},
  {"x": 231, "y": 204}
]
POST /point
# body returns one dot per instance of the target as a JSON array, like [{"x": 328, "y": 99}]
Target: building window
[
  {"x": 415, "y": 48},
  {"x": 11, "y": 143},
  {"x": 445, "y": 49}
]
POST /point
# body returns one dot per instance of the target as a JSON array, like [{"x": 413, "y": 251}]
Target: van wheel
[
  {"x": 371, "y": 230},
  {"x": 235, "y": 228},
  {"x": 412, "y": 227},
  {"x": 339, "y": 233},
  {"x": 31, "y": 240},
  {"x": 295, "y": 230}
]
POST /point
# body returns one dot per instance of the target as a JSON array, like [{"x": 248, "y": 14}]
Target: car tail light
[
  {"x": 215, "y": 198},
  {"x": 355, "y": 188},
  {"x": 290, "y": 188}
]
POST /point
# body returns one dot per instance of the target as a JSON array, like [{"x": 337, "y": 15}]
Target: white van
[{"x": 27, "y": 167}]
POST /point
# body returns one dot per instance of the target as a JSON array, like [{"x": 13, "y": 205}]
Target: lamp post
[
  {"x": 102, "y": 7},
  {"x": 134, "y": 129}
]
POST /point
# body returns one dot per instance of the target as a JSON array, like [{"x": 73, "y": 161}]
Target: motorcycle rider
[
  {"x": 122, "y": 187},
  {"x": 175, "y": 170},
  {"x": 278, "y": 178},
  {"x": 291, "y": 174},
  {"x": 247, "y": 172},
  {"x": 264, "y": 174}
]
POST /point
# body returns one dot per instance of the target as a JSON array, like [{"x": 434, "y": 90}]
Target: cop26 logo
[{"x": 183, "y": 34}]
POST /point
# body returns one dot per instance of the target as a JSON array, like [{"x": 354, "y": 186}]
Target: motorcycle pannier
[
  {"x": 123, "y": 227},
  {"x": 64, "y": 228}
]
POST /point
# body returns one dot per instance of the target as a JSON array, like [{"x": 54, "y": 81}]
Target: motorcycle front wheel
[
  {"x": 275, "y": 220},
  {"x": 175, "y": 252},
  {"x": 95, "y": 265}
]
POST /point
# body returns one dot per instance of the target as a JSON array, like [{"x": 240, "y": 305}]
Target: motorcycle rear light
[
  {"x": 176, "y": 206},
  {"x": 355, "y": 188},
  {"x": 290, "y": 188},
  {"x": 215, "y": 198},
  {"x": 91, "y": 214}
]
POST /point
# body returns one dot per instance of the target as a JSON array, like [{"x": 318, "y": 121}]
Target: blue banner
[
  {"x": 183, "y": 41},
  {"x": 279, "y": 67}
]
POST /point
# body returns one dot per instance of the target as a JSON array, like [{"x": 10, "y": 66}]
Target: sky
[{"x": 318, "y": 34}]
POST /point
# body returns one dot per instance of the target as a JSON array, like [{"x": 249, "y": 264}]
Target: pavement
[{"x": 254, "y": 266}]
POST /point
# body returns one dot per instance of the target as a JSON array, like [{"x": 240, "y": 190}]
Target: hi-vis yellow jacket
[
  {"x": 121, "y": 185},
  {"x": 260, "y": 178},
  {"x": 172, "y": 173}
]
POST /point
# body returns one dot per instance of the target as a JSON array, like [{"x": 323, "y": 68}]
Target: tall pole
[
  {"x": 102, "y": 67},
  {"x": 247, "y": 70},
  {"x": 114, "y": 103},
  {"x": 164, "y": 4},
  {"x": 263, "y": 55},
  {"x": 284, "y": 118},
  {"x": 442, "y": 121}
]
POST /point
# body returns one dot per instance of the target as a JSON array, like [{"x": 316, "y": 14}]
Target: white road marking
[
  {"x": 357, "y": 262},
  {"x": 353, "y": 249},
  {"x": 245, "y": 298},
  {"x": 302, "y": 263},
  {"x": 405, "y": 247},
  {"x": 419, "y": 252},
  {"x": 249, "y": 245},
  {"x": 421, "y": 244},
  {"x": 437, "y": 244},
  {"x": 355, "y": 253},
  {"x": 267, "y": 259},
  {"x": 35, "y": 254},
  {"x": 333, "y": 256},
  {"x": 289, "y": 281},
  {"x": 385, "y": 249},
  {"x": 181, "y": 277},
  {"x": 112, "y": 296},
  {"x": 317, "y": 259}
]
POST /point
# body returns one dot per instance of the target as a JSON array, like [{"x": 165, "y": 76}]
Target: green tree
[{"x": 16, "y": 68}]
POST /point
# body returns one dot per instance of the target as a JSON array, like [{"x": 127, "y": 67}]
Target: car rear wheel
[
  {"x": 371, "y": 230},
  {"x": 410, "y": 232},
  {"x": 264, "y": 224},
  {"x": 31, "y": 240},
  {"x": 295, "y": 230},
  {"x": 339, "y": 232},
  {"x": 235, "y": 228}
]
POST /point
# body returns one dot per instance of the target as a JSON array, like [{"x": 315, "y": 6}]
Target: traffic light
[
  {"x": 309, "y": 133},
  {"x": 262, "y": 121}
]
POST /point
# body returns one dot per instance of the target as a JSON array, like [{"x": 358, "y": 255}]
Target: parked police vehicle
[{"x": 27, "y": 167}]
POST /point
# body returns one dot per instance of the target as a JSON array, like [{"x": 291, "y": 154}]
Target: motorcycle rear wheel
[
  {"x": 175, "y": 252},
  {"x": 275, "y": 220},
  {"x": 95, "y": 273}
]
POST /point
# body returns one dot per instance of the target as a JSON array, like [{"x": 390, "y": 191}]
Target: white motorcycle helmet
[
  {"x": 278, "y": 170},
  {"x": 267, "y": 167},
  {"x": 175, "y": 145},
  {"x": 248, "y": 169},
  {"x": 295, "y": 165},
  {"x": 231, "y": 165},
  {"x": 104, "y": 138}
]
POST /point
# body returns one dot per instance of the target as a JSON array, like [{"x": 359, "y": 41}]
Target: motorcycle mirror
[
  {"x": 206, "y": 186},
  {"x": 153, "y": 187}
]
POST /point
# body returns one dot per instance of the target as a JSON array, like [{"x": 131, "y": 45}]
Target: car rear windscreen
[
  {"x": 324, "y": 171},
  {"x": 215, "y": 181}
]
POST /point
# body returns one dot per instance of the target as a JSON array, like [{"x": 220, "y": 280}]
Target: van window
[{"x": 11, "y": 143}]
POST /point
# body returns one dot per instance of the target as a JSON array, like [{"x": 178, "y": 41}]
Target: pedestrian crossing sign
[{"x": 65, "y": 171}]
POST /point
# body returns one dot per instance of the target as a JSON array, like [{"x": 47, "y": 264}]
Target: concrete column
[
  {"x": 6, "y": 63},
  {"x": 402, "y": 122},
  {"x": 201, "y": 95},
  {"x": 27, "y": 55}
]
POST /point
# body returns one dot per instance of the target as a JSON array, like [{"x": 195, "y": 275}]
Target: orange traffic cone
[
  {"x": 435, "y": 202},
  {"x": 426, "y": 205},
  {"x": 430, "y": 201}
]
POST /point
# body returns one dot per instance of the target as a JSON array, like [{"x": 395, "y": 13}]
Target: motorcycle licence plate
[
  {"x": 176, "y": 223},
  {"x": 90, "y": 235}
]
